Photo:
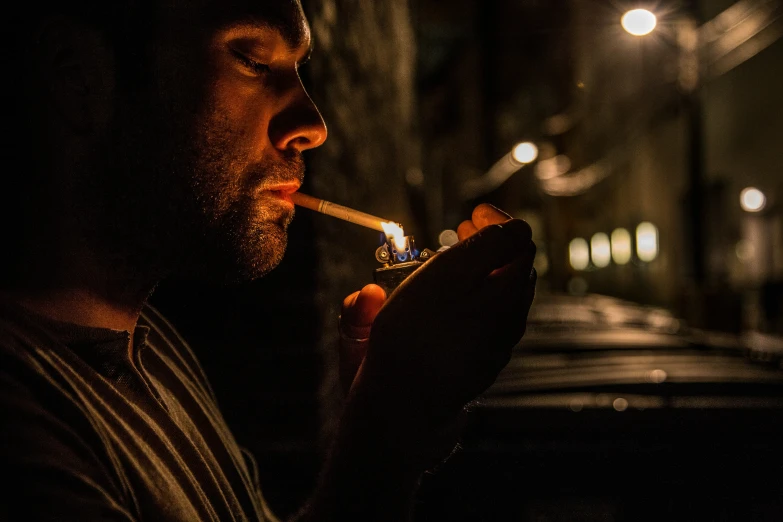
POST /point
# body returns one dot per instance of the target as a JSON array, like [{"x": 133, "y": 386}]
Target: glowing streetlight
[
  {"x": 752, "y": 200},
  {"x": 525, "y": 152},
  {"x": 639, "y": 22}
]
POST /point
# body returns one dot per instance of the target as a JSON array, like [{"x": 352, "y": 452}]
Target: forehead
[{"x": 286, "y": 16}]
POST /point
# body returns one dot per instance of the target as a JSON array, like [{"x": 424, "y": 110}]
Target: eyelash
[{"x": 258, "y": 67}]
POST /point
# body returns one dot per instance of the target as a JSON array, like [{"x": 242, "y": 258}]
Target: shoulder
[
  {"x": 164, "y": 338},
  {"x": 53, "y": 456},
  {"x": 27, "y": 351}
]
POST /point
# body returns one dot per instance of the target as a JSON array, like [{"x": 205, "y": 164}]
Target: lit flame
[{"x": 397, "y": 235}]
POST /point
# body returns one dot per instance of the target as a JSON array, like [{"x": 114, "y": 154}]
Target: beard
[
  {"x": 183, "y": 195},
  {"x": 241, "y": 231}
]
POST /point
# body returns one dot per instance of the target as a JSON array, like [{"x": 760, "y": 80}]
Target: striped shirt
[{"x": 92, "y": 430}]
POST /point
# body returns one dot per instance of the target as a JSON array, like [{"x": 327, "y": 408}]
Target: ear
[{"x": 76, "y": 71}]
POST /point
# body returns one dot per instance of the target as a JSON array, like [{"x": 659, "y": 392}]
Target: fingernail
[{"x": 501, "y": 211}]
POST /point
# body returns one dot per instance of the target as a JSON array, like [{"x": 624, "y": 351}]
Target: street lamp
[
  {"x": 688, "y": 40},
  {"x": 639, "y": 22},
  {"x": 525, "y": 152}
]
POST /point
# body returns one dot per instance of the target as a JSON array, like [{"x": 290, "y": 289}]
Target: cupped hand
[{"x": 444, "y": 335}]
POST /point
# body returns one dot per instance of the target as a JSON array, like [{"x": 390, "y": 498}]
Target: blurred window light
[
  {"x": 646, "y": 242},
  {"x": 579, "y": 253},
  {"x": 525, "y": 152},
  {"x": 639, "y": 22},
  {"x": 600, "y": 250},
  {"x": 752, "y": 200},
  {"x": 621, "y": 246}
]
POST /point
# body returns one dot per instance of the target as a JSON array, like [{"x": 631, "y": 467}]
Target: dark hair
[{"x": 126, "y": 26}]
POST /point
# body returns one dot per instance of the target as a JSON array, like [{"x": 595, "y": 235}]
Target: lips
[
  {"x": 286, "y": 188},
  {"x": 283, "y": 190}
]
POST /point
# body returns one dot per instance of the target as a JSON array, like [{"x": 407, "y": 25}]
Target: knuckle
[
  {"x": 464, "y": 229},
  {"x": 480, "y": 212},
  {"x": 491, "y": 233},
  {"x": 486, "y": 212},
  {"x": 515, "y": 231},
  {"x": 521, "y": 229}
]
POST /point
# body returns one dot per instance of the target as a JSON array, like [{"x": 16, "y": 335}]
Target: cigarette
[{"x": 339, "y": 211}]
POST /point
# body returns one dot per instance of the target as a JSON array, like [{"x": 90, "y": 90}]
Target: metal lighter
[{"x": 398, "y": 263}]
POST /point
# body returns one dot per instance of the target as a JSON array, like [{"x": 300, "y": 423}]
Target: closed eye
[{"x": 257, "y": 67}]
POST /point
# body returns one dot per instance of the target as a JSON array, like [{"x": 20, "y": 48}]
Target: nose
[{"x": 299, "y": 126}]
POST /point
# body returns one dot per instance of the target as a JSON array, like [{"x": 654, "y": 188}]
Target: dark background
[{"x": 421, "y": 96}]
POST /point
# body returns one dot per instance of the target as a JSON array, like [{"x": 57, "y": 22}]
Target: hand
[
  {"x": 358, "y": 313},
  {"x": 443, "y": 336}
]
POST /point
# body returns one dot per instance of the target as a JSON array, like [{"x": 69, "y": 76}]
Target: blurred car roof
[{"x": 594, "y": 344}]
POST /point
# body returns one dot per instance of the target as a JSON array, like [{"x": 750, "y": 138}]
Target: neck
[
  {"x": 78, "y": 290},
  {"x": 78, "y": 260},
  {"x": 82, "y": 307}
]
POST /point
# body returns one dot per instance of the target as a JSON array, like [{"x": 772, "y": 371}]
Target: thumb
[{"x": 358, "y": 313}]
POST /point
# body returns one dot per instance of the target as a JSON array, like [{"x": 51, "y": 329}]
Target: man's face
[{"x": 211, "y": 147}]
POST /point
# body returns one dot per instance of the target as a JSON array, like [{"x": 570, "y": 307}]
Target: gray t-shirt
[{"x": 89, "y": 431}]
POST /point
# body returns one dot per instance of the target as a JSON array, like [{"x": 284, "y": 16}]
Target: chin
[
  {"x": 239, "y": 258},
  {"x": 258, "y": 255}
]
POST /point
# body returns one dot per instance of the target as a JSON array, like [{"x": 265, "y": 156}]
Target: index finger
[
  {"x": 486, "y": 214},
  {"x": 483, "y": 215},
  {"x": 490, "y": 248}
]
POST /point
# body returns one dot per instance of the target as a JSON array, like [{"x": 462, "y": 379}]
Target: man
[{"x": 165, "y": 137}]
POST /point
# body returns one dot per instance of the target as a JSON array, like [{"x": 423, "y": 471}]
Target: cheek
[{"x": 246, "y": 112}]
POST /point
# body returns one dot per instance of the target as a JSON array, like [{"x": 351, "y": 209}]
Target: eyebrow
[{"x": 294, "y": 37}]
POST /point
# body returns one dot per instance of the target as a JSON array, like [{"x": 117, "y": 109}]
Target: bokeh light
[
  {"x": 657, "y": 376},
  {"x": 621, "y": 246},
  {"x": 525, "y": 152},
  {"x": 639, "y": 22},
  {"x": 579, "y": 253},
  {"x": 600, "y": 250},
  {"x": 620, "y": 404},
  {"x": 448, "y": 238},
  {"x": 752, "y": 200},
  {"x": 646, "y": 242}
]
